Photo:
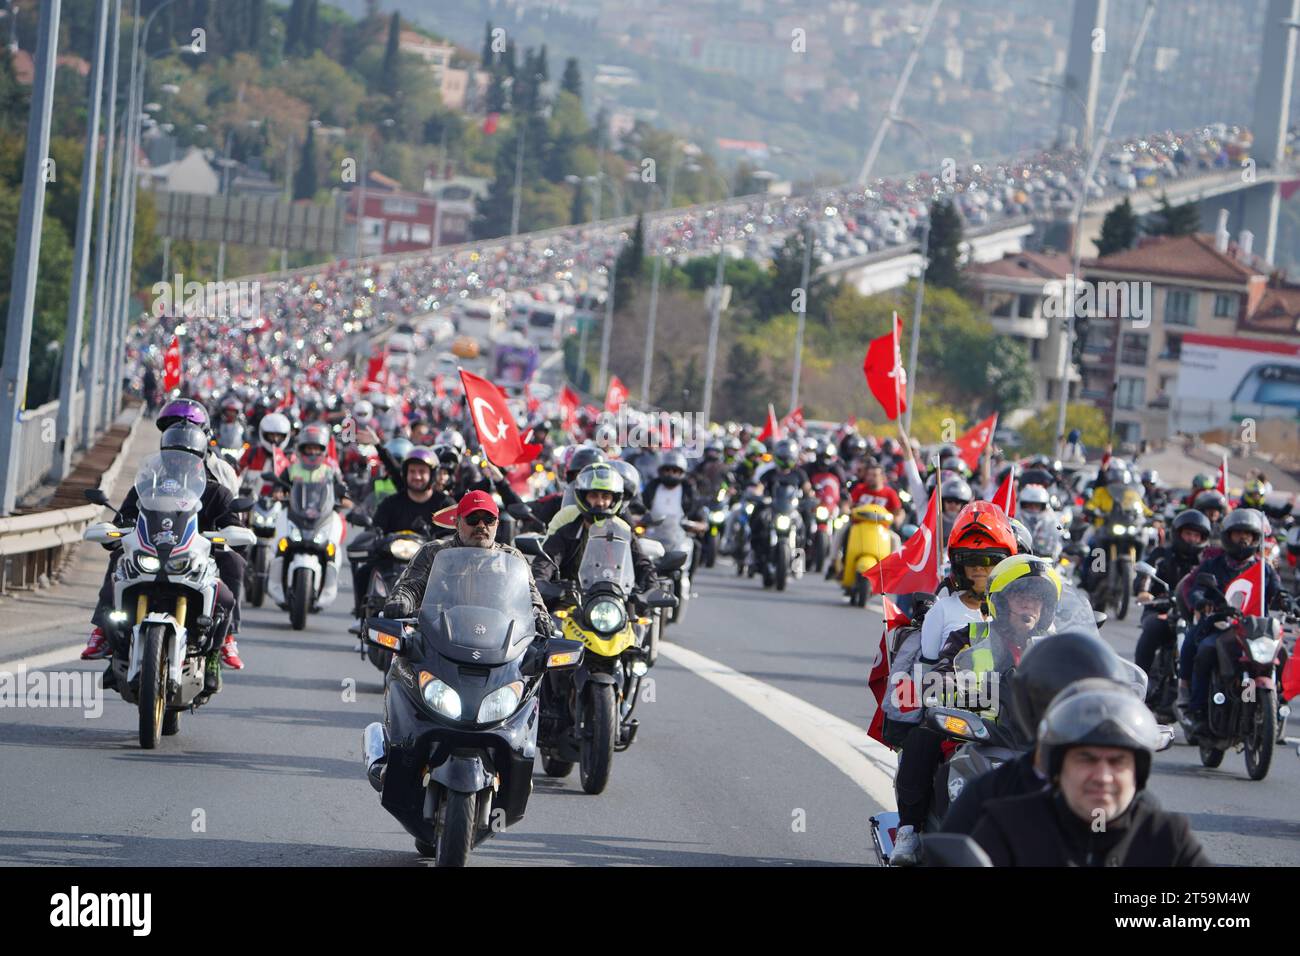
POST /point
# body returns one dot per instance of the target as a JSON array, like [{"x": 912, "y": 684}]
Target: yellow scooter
[{"x": 870, "y": 542}]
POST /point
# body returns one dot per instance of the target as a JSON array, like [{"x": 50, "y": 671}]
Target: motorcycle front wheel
[
  {"x": 1125, "y": 587},
  {"x": 782, "y": 565},
  {"x": 600, "y": 733},
  {"x": 300, "y": 599},
  {"x": 1263, "y": 732},
  {"x": 152, "y": 701},
  {"x": 456, "y": 832}
]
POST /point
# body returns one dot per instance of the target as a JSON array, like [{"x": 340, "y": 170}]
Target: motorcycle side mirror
[
  {"x": 360, "y": 521},
  {"x": 958, "y": 724},
  {"x": 384, "y": 633},
  {"x": 671, "y": 562},
  {"x": 242, "y": 504},
  {"x": 1100, "y": 618},
  {"x": 520, "y": 510},
  {"x": 530, "y": 545},
  {"x": 658, "y": 598},
  {"x": 562, "y": 653},
  {"x": 952, "y": 849},
  {"x": 95, "y": 496}
]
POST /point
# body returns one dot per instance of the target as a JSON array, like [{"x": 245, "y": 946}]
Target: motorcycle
[
  {"x": 1122, "y": 538},
  {"x": 1048, "y": 534},
  {"x": 1162, "y": 690},
  {"x": 303, "y": 578},
  {"x": 453, "y": 758},
  {"x": 587, "y": 712},
  {"x": 826, "y": 487},
  {"x": 785, "y": 553},
  {"x": 231, "y": 441},
  {"x": 388, "y": 555},
  {"x": 264, "y": 518},
  {"x": 869, "y": 543},
  {"x": 737, "y": 532},
  {"x": 164, "y": 627},
  {"x": 1243, "y": 708},
  {"x": 673, "y": 536},
  {"x": 712, "y": 537}
]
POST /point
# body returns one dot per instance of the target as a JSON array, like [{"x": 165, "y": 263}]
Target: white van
[{"x": 480, "y": 319}]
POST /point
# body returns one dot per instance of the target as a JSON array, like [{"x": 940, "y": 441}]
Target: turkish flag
[
  {"x": 916, "y": 566},
  {"x": 1005, "y": 498},
  {"x": 532, "y": 403},
  {"x": 375, "y": 370},
  {"x": 794, "y": 419},
  {"x": 1246, "y": 591},
  {"x": 172, "y": 365},
  {"x": 878, "y": 683},
  {"x": 496, "y": 428},
  {"x": 490, "y": 123},
  {"x": 894, "y": 616},
  {"x": 616, "y": 395},
  {"x": 883, "y": 368},
  {"x": 972, "y": 444},
  {"x": 1223, "y": 477},
  {"x": 569, "y": 402},
  {"x": 772, "y": 429}
]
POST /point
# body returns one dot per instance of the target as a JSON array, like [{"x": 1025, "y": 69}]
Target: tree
[
  {"x": 1119, "y": 230},
  {"x": 785, "y": 274},
  {"x": 1038, "y": 434},
  {"x": 389, "y": 81},
  {"x": 1170, "y": 220},
  {"x": 488, "y": 56},
  {"x": 304, "y": 183},
  {"x": 294, "y": 25},
  {"x": 945, "y": 246},
  {"x": 311, "y": 29},
  {"x": 571, "y": 82},
  {"x": 578, "y": 210}
]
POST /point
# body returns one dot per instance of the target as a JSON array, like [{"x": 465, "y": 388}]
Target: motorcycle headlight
[
  {"x": 440, "y": 696},
  {"x": 404, "y": 549},
  {"x": 147, "y": 563},
  {"x": 1263, "y": 649},
  {"x": 321, "y": 537},
  {"x": 178, "y": 565},
  {"x": 606, "y": 616},
  {"x": 749, "y": 508},
  {"x": 1117, "y": 530},
  {"x": 501, "y": 703},
  {"x": 294, "y": 533},
  {"x": 264, "y": 521},
  {"x": 782, "y": 522},
  {"x": 1132, "y": 529},
  {"x": 823, "y": 513},
  {"x": 718, "y": 517}
]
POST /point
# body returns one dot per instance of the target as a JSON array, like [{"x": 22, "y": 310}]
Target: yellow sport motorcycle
[{"x": 587, "y": 711}]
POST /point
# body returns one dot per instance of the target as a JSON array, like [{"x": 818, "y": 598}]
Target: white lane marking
[
  {"x": 64, "y": 654},
  {"x": 868, "y": 763}
]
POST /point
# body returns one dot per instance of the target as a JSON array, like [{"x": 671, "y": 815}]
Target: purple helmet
[{"x": 182, "y": 410}]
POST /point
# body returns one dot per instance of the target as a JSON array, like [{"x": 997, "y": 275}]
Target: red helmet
[{"x": 982, "y": 526}]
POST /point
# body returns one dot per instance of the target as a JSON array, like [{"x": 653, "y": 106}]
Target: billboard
[{"x": 1223, "y": 380}]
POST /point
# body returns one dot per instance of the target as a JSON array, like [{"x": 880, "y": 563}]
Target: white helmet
[
  {"x": 363, "y": 412},
  {"x": 276, "y": 425},
  {"x": 1034, "y": 495}
]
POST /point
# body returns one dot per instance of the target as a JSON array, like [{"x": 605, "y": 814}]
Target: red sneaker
[
  {"x": 230, "y": 654},
  {"x": 97, "y": 648}
]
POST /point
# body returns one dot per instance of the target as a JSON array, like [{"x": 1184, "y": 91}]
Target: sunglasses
[
  {"x": 980, "y": 561},
  {"x": 480, "y": 517}
]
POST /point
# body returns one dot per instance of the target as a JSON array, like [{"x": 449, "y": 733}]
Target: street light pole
[
  {"x": 65, "y": 430},
  {"x": 609, "y": 326},
  {"x": 519, "y": 175},
  {"x": 27, "y": 248},
  {"x": 803, "y": 314},
  {"x": 647, "y": 369}
]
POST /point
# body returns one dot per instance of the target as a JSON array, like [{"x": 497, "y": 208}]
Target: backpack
[{"x": 902, "y": 705}]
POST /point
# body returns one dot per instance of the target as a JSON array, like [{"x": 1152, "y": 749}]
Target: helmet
[
  {"x": 313, "y": 435},
  {"x": 580, "y": 458},
  {"x": 1024, "y": 574},
  {"x": 185, "y": 437},
  {"x": 812, "y": 445},
  {"x": 424, "y": 456},
  {"x": 1202, "y": 482},
  {"x": 949, "y": 451},
  {"x": 952, "y": 463},
  {"x": 273, "y": 431},
  {"x": 956, "y": 489},
  {"x": 671, "y": 459},
  {"x": 631, "y": 480},
  {"x": 183, "y": 410},
  {"x": 1150, "y": 477},
  {"x": 399, "y": 448},
  {"x": 1252, "y": 496},
  {"x": 1191, "y": 518},
  {"x": 1034, "y": 495},
  {"x": 981, "y": 534},
  {"x": 1100, "y": 713},
  {"x": 1208, "y": 500},
  {"x": 1242, "y": 519},
  {"x": 231, "y": 404},
  {"x": 1048, "y": 667},
  {"x": 445, "y": 456},
  {"x": 1024, "y": 540},
  {"x": 732, "y": 446},
  {"x": 786, "y": 453},
  {"x": 713, "y": 450},
  {"x": 1116, "y": 473},
  {"x": 755, "y": 449},
  {"x": 600, "y": 476},
  {"x": 853, "y": 446}
]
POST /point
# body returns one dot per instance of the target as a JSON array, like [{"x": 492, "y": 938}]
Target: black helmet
[
  {"x": 1202, "y": 482},
  {"x": 185, "y": 437},
  {"x": 786, "y": 453},
  {"x": 853, "y": 446},
  {"x": 1191, "y": 518},
  {"x": 1207, "y": 500},
  {"x": 1150, "y": 477},
  {"x": 1242, "y": 519},
  {"x": 1051, "y": 665},
  {"x": 672, "y": 459},
  {"x": 1024, "y": 540},
  {"x": 1100, "y": 713},
  {"x": 448, "y": 457},
  {"x": 581, "y": 458}
]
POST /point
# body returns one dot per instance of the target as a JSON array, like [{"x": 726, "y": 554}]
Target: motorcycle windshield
[
  {"x": 669, "y": 533},
  {"x": 477, "y": 606},
  {"x": 171, "y": 481},
  {"x": 1128, "y": 501},
  {"x": 230, "y": 435},
  {"x": 607, "y": 557},
  {"x": 310, "y": 503},
  {"x": 1007, "y": 641}
]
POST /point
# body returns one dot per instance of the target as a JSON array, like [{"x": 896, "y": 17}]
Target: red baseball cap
[{"x": 477, "y": 501}]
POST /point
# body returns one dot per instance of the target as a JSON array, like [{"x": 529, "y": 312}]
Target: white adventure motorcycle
[{"x": 304, "y": 575}]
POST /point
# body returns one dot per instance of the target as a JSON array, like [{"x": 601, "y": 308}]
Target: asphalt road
[{"x": 751, "y": 752}]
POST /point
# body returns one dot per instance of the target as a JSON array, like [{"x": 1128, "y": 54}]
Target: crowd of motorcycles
[{"x": 472, "y": 697}]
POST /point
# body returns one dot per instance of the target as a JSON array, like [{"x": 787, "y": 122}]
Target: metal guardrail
[
  {"x": 35, "y": 545},
  {"x": 36, "y": 446}
]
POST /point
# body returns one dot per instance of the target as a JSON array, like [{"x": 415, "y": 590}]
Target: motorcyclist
[
  {"x": 476, "y": 526},
  {"x": 872, "y": 488},
  {"x": 954, "y": 495},
  {"x": 214, "y": 514},
  {"x": 1255, "y": 495},
  {"x": 1047, "y": 668},
  {"x": 1095, "y": 746},
  {"x": 1242, "y": 536},
  {"x": 1189, "y": 534},
  {"x": 784, "y": 470},
  {"x": 269, "y": 454},
  {"x": 1202, "y": 482},
  {"x": 597, "y": 490},
  {"x": 630, "y": 504},
  {"x": 1214, "y": 506},
  {"x": 1155, "y": 493},
  {"x": 188, "y": 410},
  {"x": 671, "y": 495},
  {"x": 710, "y": 473},
  {"x": 546, "y": 508},
  {"x": 981, "y": 538}
]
